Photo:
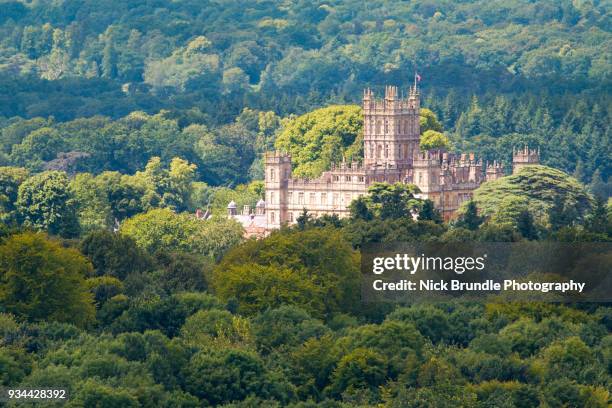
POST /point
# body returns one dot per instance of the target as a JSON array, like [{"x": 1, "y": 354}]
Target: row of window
[
  {"x": 378, "y": 151},
  {"x": 359, "y": 179},
  {"x": 401, "y": 126},
  {"x": 302, "y": 198}
]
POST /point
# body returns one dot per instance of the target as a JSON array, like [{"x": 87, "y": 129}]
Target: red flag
[{"x": 417, "y": 76}]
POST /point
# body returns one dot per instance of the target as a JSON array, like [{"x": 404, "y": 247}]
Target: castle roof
[{"x": 232, "y": 204}]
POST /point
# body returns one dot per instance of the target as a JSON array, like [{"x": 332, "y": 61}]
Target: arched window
[
  {"x": 386, "y": 151},
  {"x": 379, "y": 152},
  {"x": 272, "y": 174}
]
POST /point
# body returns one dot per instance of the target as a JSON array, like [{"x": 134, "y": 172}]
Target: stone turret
[
  {"x": 278, "y": 172},
  {"x": 494, "y": 171},
  {"x": 524, "y": 157},
  {"x": 260, "y": 207},
  {"x": 231, "y": 209}
]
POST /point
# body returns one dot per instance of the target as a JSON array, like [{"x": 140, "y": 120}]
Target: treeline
[
  {"x": 100, "y": 58},
  {"x": 572, "y": 136},
  {"x": 227, "y": 154}
]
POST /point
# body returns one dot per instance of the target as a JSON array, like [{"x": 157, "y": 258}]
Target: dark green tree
[
  {"x": 45, "y": 202},
  {"x": 526, "y": 226},
  {"x": 470, "y": 218},
  {"x": 39, "y": 279},
  {"x": 429, "y": 213}
]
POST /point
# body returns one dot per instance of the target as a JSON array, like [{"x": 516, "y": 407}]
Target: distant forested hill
[
  {"x": 197, "y": 51},
  {"x": 496, "y": 72}
]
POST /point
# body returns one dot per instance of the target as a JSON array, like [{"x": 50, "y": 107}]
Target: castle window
[
  {"x": 300, "y": 198},
  {"x": 420, "y": 178},
  {"x": 362, "y": 179},
  {"x": 379, "y": 152},
  {"x": 286, "y": 174},
  {"x": 290, "y": 217},
  {"x": 312, "y": 198},
  {"x": 378, "y": 124},
  {"x": 323, "y": 198},
  {"x": 336, "y": 198},
  {"x": 271, "y": 216},
  {"x": 271, "y": 196},
  {"x": 272, "y": 174},
  {"x": 336, "y": 178},
  {"x": 290, "y": 197},
  {"x": 386, "y": 126},
  {"x": 400, "y": 151},
  {"x": 386, "y": 151}
]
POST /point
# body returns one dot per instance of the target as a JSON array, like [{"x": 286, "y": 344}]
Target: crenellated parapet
[{"x": 524, "y": 157}]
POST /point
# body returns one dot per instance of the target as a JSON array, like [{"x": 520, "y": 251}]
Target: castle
[{"x": 391, "y": 154}]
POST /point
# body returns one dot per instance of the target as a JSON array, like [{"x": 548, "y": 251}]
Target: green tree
[
  {"x": 392, "y": 201},
  {"x": 37, "y": 147},
  {"x": 433, "y": 140},
  {"x": 45, "y": 201},
  {"x": 359, "y": 209},
  {"x": 319, "y": 138},
  {"x": 257, "y": 288},
  {"x": 526, "y": 226},
  {"x": 10, "y": 180},
  {"x": 317, "y": 261},
  {"x": 225, "y": 375},
  {"x": 93, "y": 207},
  {"x": 598, "y": 220},
  {"x": 429, "y": 121},
  {"x": 162, "y": 229},
  {"x": 114, "y": 254},
  {"x": 361, "y": 368},
  {"x": 42, "y": 280},
  {"x": 470, "y": 218},
  {"x": 429, "y": 213},
  {"x": 539, "y": 188}
]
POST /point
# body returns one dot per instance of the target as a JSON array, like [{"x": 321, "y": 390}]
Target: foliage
[
  {"x": 316, "y": 268},
  {"x": 44, "y": 201},
  {"x": 433, "y": 140},
  {"x": 42, "y": 280},
  {"x": 386, "y": 201},
  {"x": 113, "y": 254},
  {"x": 10, "y": 180},
  {"x": 540, "y": 186},
  {"x": 162, "y": 229},
  {"x": 322, "y": 137}
]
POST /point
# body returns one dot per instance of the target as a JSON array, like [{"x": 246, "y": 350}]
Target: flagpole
[{"x": 415, "y": 81}]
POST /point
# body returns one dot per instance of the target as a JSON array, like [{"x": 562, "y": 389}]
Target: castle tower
[
  {"x": 524, "y": 157},
  {"x": 427, "y": 170},
  {"x": 391, "y": 130},
  {"x": 231, "y": 209},
  {"x": 278, "y": 172},
  {"x": 260, "y": 207}
]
